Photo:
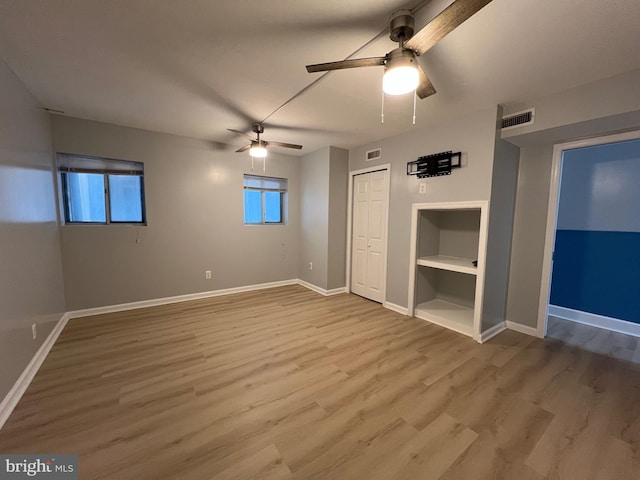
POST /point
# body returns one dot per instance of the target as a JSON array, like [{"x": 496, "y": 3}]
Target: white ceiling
[{"x": 198, "y": 67}]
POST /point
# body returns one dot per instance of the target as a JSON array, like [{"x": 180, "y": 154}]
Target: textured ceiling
[{"x": 198, "y": 67}]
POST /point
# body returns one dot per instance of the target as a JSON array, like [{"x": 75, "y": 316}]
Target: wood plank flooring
[
  {"x": 596, "y": 340},
  {"x": 287, "y": 384}
]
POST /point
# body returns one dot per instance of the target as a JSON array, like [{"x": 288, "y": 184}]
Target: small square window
[
  {"x": 101, "y": 190},
  {"x": 264, "y": 200}
]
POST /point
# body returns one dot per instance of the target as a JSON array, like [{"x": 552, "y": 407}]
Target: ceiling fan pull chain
[
  {"x": 382, "y": 111},
  {"x": 415, "y": 95}
]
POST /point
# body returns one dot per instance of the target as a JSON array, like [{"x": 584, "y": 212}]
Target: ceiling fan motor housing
[
  {"x": 401, "y": 25},
  {"x": 400, "y": 57}
]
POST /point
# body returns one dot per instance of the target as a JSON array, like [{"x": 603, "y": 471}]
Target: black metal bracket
[{"x": 434, "y": 165}]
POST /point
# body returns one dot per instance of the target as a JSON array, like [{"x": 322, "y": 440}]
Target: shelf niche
[
  {"x": 448, "y": 239},
  {"x": 447, "y": 287},
  {"x": 446, "y": 298}
]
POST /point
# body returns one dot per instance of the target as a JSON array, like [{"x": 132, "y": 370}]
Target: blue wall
[
  {"x": 598, "y": 272},
  {"x": 597, "y": 252}
]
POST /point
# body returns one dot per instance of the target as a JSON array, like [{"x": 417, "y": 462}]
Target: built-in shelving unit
[{"x": 446, "y": 288}]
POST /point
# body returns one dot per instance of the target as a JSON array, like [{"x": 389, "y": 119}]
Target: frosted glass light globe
[
  {"x": 257, "y": 150},
  {"x": 400, "y": 80}
]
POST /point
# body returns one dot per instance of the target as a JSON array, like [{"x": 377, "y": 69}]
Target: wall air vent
[
  {"x": 519, "y": 119},
  {"x": 373, "y": 154}
]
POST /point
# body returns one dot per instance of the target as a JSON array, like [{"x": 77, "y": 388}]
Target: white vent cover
[
  {"x": 519, "y": 119},
  {"x": 374, "y": 154}
]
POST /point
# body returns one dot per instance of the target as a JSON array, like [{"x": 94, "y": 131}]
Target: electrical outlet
[
  {"x": 310, "y": 265},
  {"x": 422, "y": 188},
  {"x": 207, "y": 274},
  {"x": 34, "y": 331}
]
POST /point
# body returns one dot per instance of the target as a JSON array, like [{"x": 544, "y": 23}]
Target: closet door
[{"x": 369, "y": 234}]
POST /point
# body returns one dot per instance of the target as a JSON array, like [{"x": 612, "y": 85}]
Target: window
[
  {"x": 264, "y": 200},
  {"x": 101, "y": 190}
]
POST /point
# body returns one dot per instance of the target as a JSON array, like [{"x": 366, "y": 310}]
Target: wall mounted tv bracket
[{"x": 434, "y": 165}]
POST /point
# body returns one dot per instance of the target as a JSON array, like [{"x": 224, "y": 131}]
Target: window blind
[
  {"x": 255, "y": 182},
  {"x": 71, "y": 163}
]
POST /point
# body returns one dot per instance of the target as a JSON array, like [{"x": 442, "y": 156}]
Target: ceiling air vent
[
  {"x": 373, "y": 154},
  {"x": 519, "y": 119}
]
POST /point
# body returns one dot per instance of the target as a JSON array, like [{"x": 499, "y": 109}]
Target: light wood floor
[{"x": 284, "y": 384}]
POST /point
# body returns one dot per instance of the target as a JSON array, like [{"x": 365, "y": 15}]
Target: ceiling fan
[
  {"x": 258, "y": 147},
  {"x": 402, "y": 71}
]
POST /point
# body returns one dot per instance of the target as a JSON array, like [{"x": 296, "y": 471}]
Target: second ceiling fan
[
  {"x": 403, "y": 74},
  {"x": 258, "y": 147}
]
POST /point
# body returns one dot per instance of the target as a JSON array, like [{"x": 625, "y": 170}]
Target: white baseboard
[
  {"x": 517, "y": 327},
  {"x": 321, "y": 291},
  {"x": 176, "y": 299},
  {"x": 396, "y": 308},
  {"x": 15, "y": 394},
  {"x": 492, "y": 332},
  {"x": 595, "y": 320}
]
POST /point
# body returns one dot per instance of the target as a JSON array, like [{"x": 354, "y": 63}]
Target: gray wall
[
  {"x": 314, "y": 217},
  {"x": 194, "y": 197},
  {"x": 323, "y": 217},
  {"x": 601, "y": 188},
  {"x": 31, "y": 286},
  {"x": 529, "y": 229},
  {"x": 474, "y": 136},
  {"x": 608, "y": 106},
  {"x": 338, "y": 192},
  {"x": 611, "y": 104},
  {"x": 501, "y": 214}
]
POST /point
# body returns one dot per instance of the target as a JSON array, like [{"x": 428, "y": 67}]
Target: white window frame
[{"x": 261, "y": 184}]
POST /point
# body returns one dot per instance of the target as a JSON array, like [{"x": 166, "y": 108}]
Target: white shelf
[
  {"x": 454, "y": 264},
  {"x": 450, "y": 315}
]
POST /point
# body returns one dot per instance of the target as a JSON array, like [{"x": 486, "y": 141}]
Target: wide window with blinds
[
  {"x": 264, "y": 200},
  {"x": 101, "y": 190}
]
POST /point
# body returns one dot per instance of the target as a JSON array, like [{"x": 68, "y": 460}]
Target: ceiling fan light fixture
[
  {"x": 258, "y": 150},
  {"x": 401, "y": 73}
]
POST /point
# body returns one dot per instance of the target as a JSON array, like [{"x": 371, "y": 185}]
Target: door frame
[
  {"x": 352, "y": 174},
  {"x": 552, "y": 215}
]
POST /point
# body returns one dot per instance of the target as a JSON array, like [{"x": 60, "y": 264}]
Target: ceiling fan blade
[
  {"x": 425, "y": 87},
  {"x": 450, "y": 18},
  {"x": 354, "y": 63},
  {"x": 284, "y": 145},
  {"x": 243, "y": 149},
  {"x": 237, "y": 132}
]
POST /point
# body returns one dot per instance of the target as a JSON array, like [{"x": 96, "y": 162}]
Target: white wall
[
  {"x": 194, "y": 198},
  {"x": 31, "y": 286}
]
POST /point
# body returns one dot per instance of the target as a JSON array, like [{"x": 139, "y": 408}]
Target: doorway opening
[{"x": 591, "y": 267}]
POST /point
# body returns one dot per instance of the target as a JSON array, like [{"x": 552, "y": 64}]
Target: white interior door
[{"x": 369, "y": 234}]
